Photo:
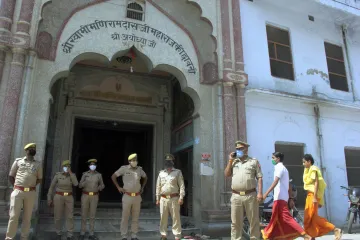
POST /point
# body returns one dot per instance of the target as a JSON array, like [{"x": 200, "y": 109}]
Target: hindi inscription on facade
[
  {"x": 133, "y": 38},
  {"x": 100, "y": 24}
]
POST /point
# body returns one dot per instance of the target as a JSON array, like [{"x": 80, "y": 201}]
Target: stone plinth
[{"x": 216, "y": 223}]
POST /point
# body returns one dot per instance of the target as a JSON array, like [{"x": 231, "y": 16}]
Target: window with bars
[
  {"x": 281, "y": 63},
  {"x": 336, "y": 67},
  {"x": 293, "y": 154},
  {"x": 135, "y": 11},
  {"x": 352, "y": 158}
]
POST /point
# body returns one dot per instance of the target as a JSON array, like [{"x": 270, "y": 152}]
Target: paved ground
[
  {"x": 329, "y": 237},
  {"x": 344, "y": 237}
]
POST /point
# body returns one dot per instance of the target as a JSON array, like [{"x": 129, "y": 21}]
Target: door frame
[
  {"x": 80, "y": 123},
  {"x": 95, "y": 110}
]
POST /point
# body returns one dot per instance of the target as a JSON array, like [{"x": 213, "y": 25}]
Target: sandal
[
  {"x": 338, "y": 233},
  {"x": 307, "y": 237}
]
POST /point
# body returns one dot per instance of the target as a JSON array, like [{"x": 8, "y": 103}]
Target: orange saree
[{"x": 314, "y": 225}]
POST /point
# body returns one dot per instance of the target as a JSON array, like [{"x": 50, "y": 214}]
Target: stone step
[
  {"x": 184, "y": 221},
  {"x": 108, "y": 227},
  {"x": 111, "y": 235},
  {"x": 48, "y": 222}
]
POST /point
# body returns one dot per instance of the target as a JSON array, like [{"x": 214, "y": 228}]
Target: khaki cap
[
  {"x": 29, "y": 145},
  {"x": 92, "y": 160},
  {"x": 241, "y": 142},
  {"x": 132, "y": 157},
  {"x": 169, "y": 157},
  {"x": 66, "y": 163}
]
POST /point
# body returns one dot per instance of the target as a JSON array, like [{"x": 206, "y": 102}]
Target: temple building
[{"x": 106, "y": 78}]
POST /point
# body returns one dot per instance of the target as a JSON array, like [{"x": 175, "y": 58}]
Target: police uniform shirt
[
  {"x": 170, "y": 183},
  {"x": 64, "y": 183},
  {"x": 26, "y": 172},
  {"x": 131, "y": 178},
  {"x": 245, "y": 173},
  {"x": 91, "y": 182}
]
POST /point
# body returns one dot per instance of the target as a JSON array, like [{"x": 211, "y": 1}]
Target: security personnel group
[{"x": 27, "y": 172}]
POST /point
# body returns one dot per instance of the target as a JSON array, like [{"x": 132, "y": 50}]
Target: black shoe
[
  {"x": 124, "y": 239},
  {"x": 58, "y": 237},
  {"x": 93, "y": 237},
  {"x": 81, "y": 237},
  {"x": 134, "y": 239},
  {"x": 69, "y": 238}
]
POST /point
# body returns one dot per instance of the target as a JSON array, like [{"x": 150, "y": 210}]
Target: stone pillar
[
  {"x": 229, "y": 125},
  {"x": 241, "y": 111},
  {"x": 24, "y": 103},
  {"x": 238, "y": 48},
  {"x": 24, "y": 22},
  {"x": 9, "y": 112},
  {"x": 3, "y": 50},
  {"x": 7, "y": 14},
  {"x": 226, "y": 39}
]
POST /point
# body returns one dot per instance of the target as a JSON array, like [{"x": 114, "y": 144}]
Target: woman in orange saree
[{"x": 315, "y": 185}]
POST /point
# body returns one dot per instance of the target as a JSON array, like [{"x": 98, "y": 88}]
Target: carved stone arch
[
  {"x": 205, "y": 19},
  {"x": 202, "y": 33},
  {"x": 160, "y": 67},
  {"x": 56, "y": 18}
]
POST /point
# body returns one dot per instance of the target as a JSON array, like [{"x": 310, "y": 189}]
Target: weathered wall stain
[{"x": 313, "y": 71}]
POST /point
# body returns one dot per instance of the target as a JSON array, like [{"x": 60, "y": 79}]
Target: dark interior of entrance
[{"x": 111, "y": 143}]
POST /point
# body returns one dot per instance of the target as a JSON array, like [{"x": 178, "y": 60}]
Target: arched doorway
[{"x": 110, "y": 109}]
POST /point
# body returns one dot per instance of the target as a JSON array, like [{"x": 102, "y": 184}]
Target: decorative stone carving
[
  {"x": 116, "y": 106},
  {"x": 6, "y": 14},
  {"x": 238, "y": 78},
  {"x": 210, "y": 72},
  {"x": 24, "y": 23},
  {"x": 43, "y": 45}
]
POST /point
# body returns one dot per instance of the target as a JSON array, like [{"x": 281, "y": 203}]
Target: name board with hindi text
[{"x": 75, "y": 38}]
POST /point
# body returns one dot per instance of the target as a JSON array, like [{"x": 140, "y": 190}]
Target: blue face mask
[{"x": 239, "y": 153}]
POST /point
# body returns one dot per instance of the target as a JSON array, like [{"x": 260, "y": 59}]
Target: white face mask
[
  {"x": 65, "y": 169},
  {"x": 92, "y": 167},
  {"x": 133, "y": 163}
]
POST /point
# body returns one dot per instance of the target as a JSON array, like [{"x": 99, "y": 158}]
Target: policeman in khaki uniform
[
  {"x": 133, "y": 187},
  {"x": 244, "y": 171},
  {"x": 25, "y": 174},
  {"x": 91, "y": 182},
  {"x": 170, "y": 193},
  {"x": 63, "y": 199}
]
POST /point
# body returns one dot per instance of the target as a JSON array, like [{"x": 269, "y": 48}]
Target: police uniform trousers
[
  {"x": 64, "y": 204},
  {"x": 88, "y": 208},
  {"x": 172, "y": 206},
  {"x": 250, "y": 204},
  {"x": 130, "y": 205},
  {"x": 18, "y": 200}
]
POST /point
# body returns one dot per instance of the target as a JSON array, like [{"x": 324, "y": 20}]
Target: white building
[{"x": 303, "y": 64}]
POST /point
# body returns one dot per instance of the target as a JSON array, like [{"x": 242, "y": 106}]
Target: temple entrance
[
  {"x": 111, "y": 143},
  {"x": 109, "y": 110}
]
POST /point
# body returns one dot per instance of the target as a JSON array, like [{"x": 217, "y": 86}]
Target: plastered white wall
[
  {"x": 271, "y": 119},
  {"x": 307, "y": 46}
]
